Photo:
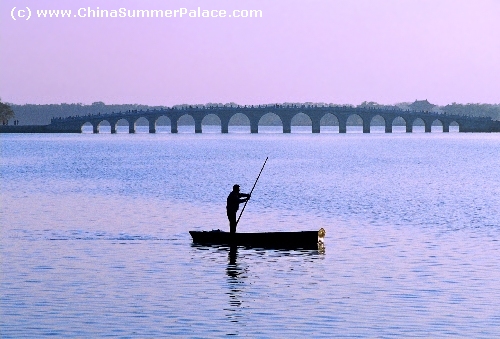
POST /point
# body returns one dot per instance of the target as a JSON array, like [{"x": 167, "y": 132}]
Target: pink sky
[{"x": 321, "y": 51}]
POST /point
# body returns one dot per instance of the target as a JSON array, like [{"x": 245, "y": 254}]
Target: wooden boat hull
[{"x": 307, "y": 240}]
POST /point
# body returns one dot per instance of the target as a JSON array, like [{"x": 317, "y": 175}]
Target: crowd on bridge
[
  {"x": 261, "y": 106},
  {"x": 229, "y": 106}
]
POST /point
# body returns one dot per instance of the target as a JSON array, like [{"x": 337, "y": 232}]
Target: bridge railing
[{"x": 305, "y": 106}]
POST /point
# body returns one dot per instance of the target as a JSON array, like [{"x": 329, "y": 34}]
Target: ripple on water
[{"x": 100, "y": 248}]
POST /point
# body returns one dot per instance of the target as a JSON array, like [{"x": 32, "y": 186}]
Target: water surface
[{"x": 94, "y": 235}]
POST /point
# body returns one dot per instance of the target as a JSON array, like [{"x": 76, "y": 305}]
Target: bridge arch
[
  {"x": 211, "y": 123},
  {"x": 377, "y": 124},
  {"x": 139, "y": 125},
  {"x": 103, "y": 126},
  {"x": 120, "y": 126},
  {"x": 354, "y": 124},
  {"x": 163, "y": 124},
  {"x": 399, "y": 125},
  {"x": 454, "y": 127},
  {"x": 239, "y": 123},
  {"x": 301, "y": 123},
  {"x": 418, "y": 125},
  {"x": 271, "y": 121},
  {"x": 87, "y": 127},
  {"x": 437, "y": 126},
  {"x": 329, "y": 123},
  {"x": 186, "y": 124}
]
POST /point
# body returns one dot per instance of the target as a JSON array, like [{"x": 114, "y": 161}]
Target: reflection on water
[
  {"x": 216, "y": 129},
  {"x": 249, "y": 270},
  {"x": 235, "y": 283}
]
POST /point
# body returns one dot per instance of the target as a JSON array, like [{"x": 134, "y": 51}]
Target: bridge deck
[{"x": 286, "y": 113}]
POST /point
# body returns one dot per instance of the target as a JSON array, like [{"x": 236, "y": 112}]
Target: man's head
[{"x": 236, "y": 188}]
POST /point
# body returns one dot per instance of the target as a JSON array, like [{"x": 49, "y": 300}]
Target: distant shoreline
[{"x": 30, "y": 114}]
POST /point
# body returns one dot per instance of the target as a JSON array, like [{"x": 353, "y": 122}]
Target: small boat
[{"x": 307, "y": 240}]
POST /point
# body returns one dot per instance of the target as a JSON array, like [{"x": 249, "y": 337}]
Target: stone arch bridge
[{"x": 286, "y": 113}]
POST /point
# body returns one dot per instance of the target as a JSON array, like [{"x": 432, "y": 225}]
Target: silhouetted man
[{"x": 233, "y": 203}]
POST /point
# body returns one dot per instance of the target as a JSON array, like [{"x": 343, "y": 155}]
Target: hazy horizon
[{"x": 232, "y": 102}]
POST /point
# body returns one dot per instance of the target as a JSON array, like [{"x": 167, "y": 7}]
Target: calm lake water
[{"x": 94, "y": 235}]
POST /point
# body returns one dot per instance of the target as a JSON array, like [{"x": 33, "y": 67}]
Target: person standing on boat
[{"x": 234, "y": 199}]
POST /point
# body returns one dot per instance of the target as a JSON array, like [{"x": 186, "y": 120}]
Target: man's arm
[{"x": 246, "y": 197}]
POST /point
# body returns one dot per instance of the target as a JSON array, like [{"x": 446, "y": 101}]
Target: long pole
[{"x": 246, "y": 202}]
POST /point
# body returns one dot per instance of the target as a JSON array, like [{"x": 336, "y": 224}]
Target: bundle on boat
[{"x": 307, "y": 240}]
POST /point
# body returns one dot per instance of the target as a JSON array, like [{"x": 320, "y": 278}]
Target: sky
[{"x": 332, "y": 51}]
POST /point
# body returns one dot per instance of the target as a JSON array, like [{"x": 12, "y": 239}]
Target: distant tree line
[
  {"x": 6, "y": 113},
  {"x": 30, "y": 114}
]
